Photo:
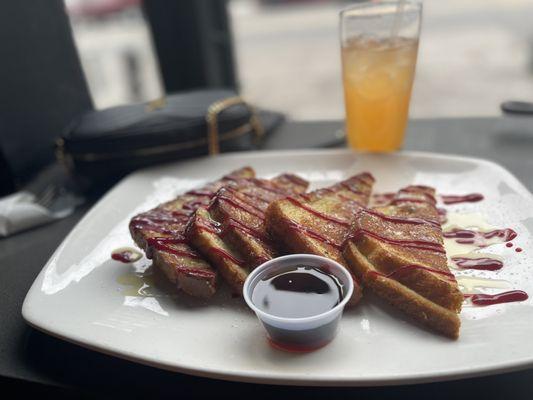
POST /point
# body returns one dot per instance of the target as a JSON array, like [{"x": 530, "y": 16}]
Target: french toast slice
[
  {"x": 160, "y": 233},
  {"x": 318, "y": 222},
  {"x": 230, "y": 232},
  {"x": 398, "y": 252}
]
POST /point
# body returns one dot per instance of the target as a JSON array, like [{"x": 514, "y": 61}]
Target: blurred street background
[{"x": 473, "y": 55}]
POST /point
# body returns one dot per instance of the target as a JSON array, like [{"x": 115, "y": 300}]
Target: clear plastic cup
[{"x": 307, "y": 333}]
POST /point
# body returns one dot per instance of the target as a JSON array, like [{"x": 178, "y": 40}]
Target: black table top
[{"x": 33, "y": 361}]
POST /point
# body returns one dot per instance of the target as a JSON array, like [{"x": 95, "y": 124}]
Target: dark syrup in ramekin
[{"x": 299, "y": 292}]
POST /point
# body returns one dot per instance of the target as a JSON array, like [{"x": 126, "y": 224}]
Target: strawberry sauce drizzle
[
  {"x": 348, "y": 199},
  {"x": 350, "y": 188},
  {"x": 194, "y": 205},
  {"x": 314, "y": 235},
  {"x": 479, "y": 238},
  {"x": 366, "y": 177},
  {"x": 399, "y": 272},
  {"x": 396, "y": 202},
  {"x": 161, "y": 221},
  {"x": 252, "y": 203},
  {"x": 199, "y": 272},
  {"x": 296, "y": 180},
  {"x": 224, "y": 254},
  {"x": 382, "y": 199},
  {"x": 213, "y": 227},
  {"x": 165, "y": 244},
  {"x": 402, "y": 220},
  {"x": 319, "y": 214},
  {"x": 467, "y": 198},
  {"x": 154, "y": 227},
  {"x": 269, "y": 187},
  {"x": 200, "y": 193},
  {"x": 234, "y": 224},
  {"x": 482, "y": 263},
  {"x": 126, "y": 256},
  {"x": 415, "y": 244},
  {"x": 261, "y": 199},
  {"x": 208, "y": 226},
  {"x": 481, "y": 299},
  {"x": 417, "y": 190},
  {"x": 240, "y": 204}
]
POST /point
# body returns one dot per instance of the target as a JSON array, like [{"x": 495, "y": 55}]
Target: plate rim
[{"x": 261, "y": 378}]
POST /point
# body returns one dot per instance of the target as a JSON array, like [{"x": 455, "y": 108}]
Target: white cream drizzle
[{"x": 471, "y": 284}]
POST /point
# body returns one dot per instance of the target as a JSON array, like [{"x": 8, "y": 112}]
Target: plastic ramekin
[{"x": 300, "y": 334}]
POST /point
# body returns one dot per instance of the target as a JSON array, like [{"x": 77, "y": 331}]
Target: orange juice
[{"x": 377, "y": 77}]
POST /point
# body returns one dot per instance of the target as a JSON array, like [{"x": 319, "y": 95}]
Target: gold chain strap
[
  {"x": 213, "y": 113},
  {"x": 156, "y": 104}
]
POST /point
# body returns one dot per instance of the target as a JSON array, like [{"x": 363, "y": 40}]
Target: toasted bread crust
[
  {"x": 231, "y": 234},
  {"x": 398, "y": 252},
  {"x": 281, "y": 227},
  {"x": 421, "y": 309},
  {"x": 180, "y": 263},
  {"x": 317, "y": 222},
  {"x": 204, "y": 234}
]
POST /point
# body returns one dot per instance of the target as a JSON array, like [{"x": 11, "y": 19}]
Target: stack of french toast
[{"x": 229, "y": 227}]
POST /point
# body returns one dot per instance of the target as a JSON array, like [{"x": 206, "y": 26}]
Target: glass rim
[{"x": 414, "y": 6}]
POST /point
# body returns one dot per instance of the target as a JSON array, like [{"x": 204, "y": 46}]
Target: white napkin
[{"x": 19, "y": 211}]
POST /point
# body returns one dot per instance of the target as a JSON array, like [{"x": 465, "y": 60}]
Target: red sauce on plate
[
  {"x": 467, "y": 236},
  {"x": 479, "y": 299},
  {"x": 482, "y": 263},
  {"x": 465, "y": 198},
  {"x": 125, "y": 255}
]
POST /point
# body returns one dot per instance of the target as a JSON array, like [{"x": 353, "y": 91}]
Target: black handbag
[{"x": 108, "y": 143}]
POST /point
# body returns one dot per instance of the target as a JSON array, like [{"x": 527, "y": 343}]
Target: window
[
  {"x": 115, "y": 49},
  {"x": 473, "y": 55}
]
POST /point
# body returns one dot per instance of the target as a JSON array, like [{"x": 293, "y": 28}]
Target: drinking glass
[{"x": 379, "y": 46}]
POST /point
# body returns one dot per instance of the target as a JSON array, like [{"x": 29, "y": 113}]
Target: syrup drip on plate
[
  {"x": 137, "y": 284},
  {"x": 138, "y": 280},
  {"x": 143, "y": 281}
]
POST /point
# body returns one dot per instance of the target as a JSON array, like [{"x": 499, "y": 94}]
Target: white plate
[{"x": 81, "y": 295}]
